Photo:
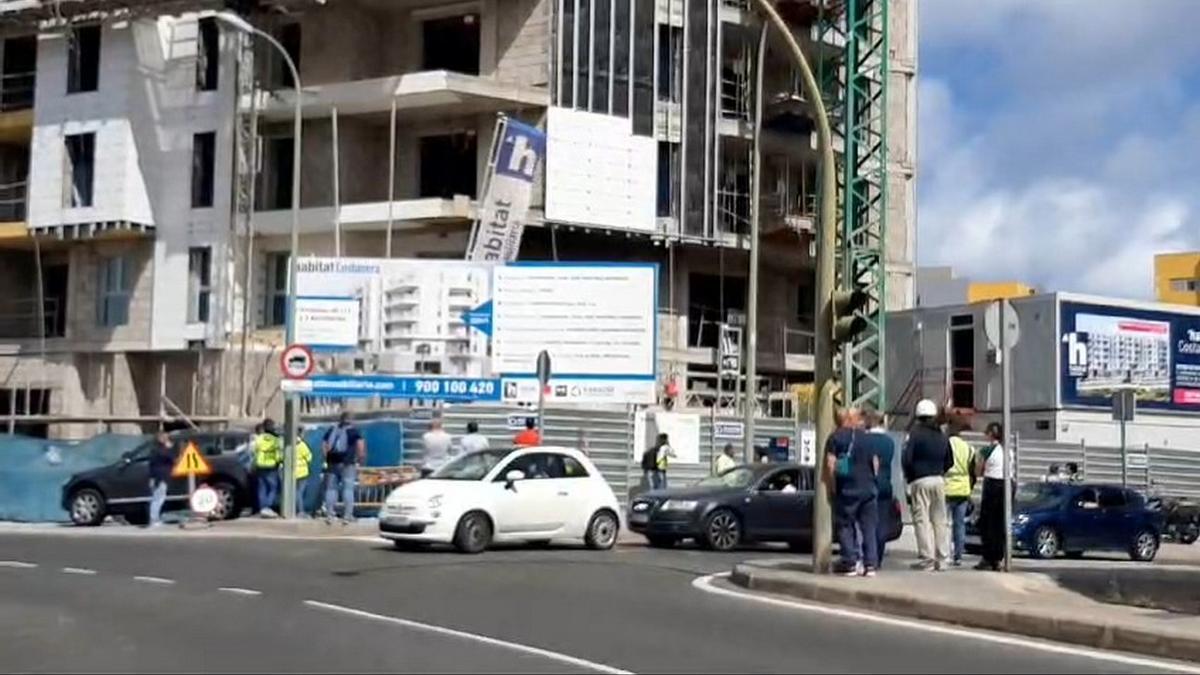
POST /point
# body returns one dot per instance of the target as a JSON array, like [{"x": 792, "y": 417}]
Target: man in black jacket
[
  {"x": 162, "y": 461},
  {"x": 927, "y": 458}
]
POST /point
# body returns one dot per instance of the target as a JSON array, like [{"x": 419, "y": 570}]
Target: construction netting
[{"x": 33, "y": 472}]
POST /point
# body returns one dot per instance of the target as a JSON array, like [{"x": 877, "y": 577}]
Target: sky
[{"x": 1059, "y": 140}]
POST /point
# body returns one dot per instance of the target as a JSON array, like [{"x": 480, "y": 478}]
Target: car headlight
[
  {"x": 639, "y": 507},
  {"x": 435, "y": 502},
  {"x": 680, "y": 505}
]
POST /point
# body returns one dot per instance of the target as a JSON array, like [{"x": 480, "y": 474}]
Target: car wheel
[
  {"x": 662, "y": 542},
  {"x": 722, "y": 531},
  {"x": 88, "y": 507},
  {"x": 227, "y": 502},
  {"x": 1045, "y": 543},
  {"x": 1145, "y": 546},
  {"x": 602, "y": 531},
  {"x": 474, "y": 533}
]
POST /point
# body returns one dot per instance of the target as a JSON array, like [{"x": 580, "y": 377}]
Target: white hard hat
[{"x": 927, "y": 408}]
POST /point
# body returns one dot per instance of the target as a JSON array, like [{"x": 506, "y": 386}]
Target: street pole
[
  {"x": 1006, "y": 405},
  {"x": 1124, "y": 455},
  {"x": 755, "y": 215},
  {"x": 826, "y": 247},
  {"x": 290, "y": 420}
]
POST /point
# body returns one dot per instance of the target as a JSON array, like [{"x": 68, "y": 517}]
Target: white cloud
[{"x": 1074, "y": 160}]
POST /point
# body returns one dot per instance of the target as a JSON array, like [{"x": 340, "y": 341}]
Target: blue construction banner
[{"x": 429, "y": 388}]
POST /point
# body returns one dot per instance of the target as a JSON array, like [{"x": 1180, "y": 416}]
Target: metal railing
[
  {"x": 16, "y": 91},
  {"x": 19, "y": 318},
  {"x": 12, "y": 201}
]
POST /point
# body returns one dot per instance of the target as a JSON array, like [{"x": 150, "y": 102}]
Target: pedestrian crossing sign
[{"x": 191, "y": 463}]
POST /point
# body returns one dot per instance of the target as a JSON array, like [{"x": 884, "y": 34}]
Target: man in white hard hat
[{"x": 926, "y": 459}]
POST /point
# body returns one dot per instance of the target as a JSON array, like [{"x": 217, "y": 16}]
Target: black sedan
[
  {"x": 123, "y": 488},
  {"x": 752, "y": 503}
]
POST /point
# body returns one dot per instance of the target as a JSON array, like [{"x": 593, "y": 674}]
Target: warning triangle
[{"x": 191, "y": 463}]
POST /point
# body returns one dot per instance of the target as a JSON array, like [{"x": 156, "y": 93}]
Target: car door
[
  {"x": 777, "y": 508},
  {"x": 575, "y": 492},
  {"x": 528, "y": 506},
  {"x": 1115, "y": 524},
  {"x": 129, "y": 479},
  {"x": 1080, "y": 527}
]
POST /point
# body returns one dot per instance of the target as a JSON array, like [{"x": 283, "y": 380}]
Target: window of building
[
  {"x": 448, "y": 165},
  {"x": 601, "y": 53},
  {"x": 208, "y": 54},
  {"x": 643, "y": 68},
  {"x": 199, "y": 283},
  {"x": 20, "y": 66},
  {"x": 114, "y": 286},
  {"x": 276, "y": 188},
  {"x": 451, "y": 43},
  {"x": 670, "y": 63},
  {"x": 83, "y": 59},
  {"x": 1185, "y": 285},
  {"x": 583, "y": 56},
  {"x": 620, "y": 60},
  {"x": 80, "y": 170},
  {"x": 276, "y": 297},
  {"x": 203, "y": 167},
  {"x": 962, "y": 361},
  {"x": 668, "y": 179}
]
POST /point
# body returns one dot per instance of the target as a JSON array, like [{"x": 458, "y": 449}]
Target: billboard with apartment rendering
[
  {"x": 459, "y": 330},
  {"x": 1104, "y": 348}
]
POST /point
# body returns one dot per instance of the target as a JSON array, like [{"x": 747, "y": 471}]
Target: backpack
[
  {"x": 845, "y": 464},
  {"x": 650, "y": 459}
]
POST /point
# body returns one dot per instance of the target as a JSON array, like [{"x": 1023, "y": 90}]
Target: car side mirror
[{"x": 512, "y": 478}]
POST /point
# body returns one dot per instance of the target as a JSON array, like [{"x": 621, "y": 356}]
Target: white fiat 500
[{"x": 531, "y": 495}]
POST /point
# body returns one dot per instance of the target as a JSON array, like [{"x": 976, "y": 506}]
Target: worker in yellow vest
[
  {"x": 268, "y": 456},
  {"x": 960, "y": 481},
  {"x": 304, "y": 458}
]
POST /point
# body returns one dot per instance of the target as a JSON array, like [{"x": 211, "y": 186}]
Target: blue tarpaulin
[{"x": 33, "y": 472}]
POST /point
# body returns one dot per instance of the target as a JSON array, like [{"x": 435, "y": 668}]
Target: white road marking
[
  {"x": 155, "y": 580},
  {"x": 706, "y": 584},
  {"x": 513, "y": 646},
  {"x": 78, "y": 570},
  {"x": 17, "y": 565},
  {"x": 239, "y": 591}
]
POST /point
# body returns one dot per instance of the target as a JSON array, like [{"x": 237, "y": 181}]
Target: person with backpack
[
  {"x": 852, "y": 469},
  {"x": 344, "y": 450},
  {"x": 960, "y": 481},
  {"x": 655, "y": 461},
  {"x": 926, "y": 459}
]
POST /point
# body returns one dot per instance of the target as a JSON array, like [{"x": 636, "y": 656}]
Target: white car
[{"x": 530, "y": 494}]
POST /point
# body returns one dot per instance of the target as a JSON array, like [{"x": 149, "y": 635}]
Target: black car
[
  {"x": 751, "y": 503},
  {"x": 123, "y": 488}
]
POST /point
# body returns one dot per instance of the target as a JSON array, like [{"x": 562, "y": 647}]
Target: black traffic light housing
[{"x": 847, "y": 322}]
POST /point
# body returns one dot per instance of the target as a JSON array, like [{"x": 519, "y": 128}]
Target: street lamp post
[
  {"x": 826, "y": 243},
  {"x": 235, "y": 21}
]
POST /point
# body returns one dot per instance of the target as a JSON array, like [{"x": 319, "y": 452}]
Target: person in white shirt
[
  {"x": 991, "y": 513},
  {"x": 724, "y": 461},
  {"x": 473, "y": 441},
  {"x": 436, "y": 443}
]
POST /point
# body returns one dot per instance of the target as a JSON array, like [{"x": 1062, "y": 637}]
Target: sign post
[
  {"x": 191, "y": 464},
  {"x": 1124, "y": 402},
  {"x": 1003, "y": 330},
  {"x": 543, "y": 376},
  {"x": 296, "y": 362}
]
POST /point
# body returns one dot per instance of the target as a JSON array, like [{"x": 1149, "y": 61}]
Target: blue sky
[{"x": 1059, "y": 140}]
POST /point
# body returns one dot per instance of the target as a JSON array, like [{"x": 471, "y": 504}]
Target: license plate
[
  {"x": 397, "y": 520},
  {"x": 639, "y": 518}
]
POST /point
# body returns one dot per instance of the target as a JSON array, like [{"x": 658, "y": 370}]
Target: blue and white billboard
[
  {"x": 505, "y": 204},
  {"x": 1104, "y": 348}
]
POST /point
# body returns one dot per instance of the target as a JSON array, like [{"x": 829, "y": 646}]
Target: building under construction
[{"x": 146, "y": 171}]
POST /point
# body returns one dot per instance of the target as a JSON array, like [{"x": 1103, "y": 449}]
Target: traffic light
[{"x": 847, "y": 321}]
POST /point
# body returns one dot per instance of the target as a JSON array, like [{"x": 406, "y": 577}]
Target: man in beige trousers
[{"x": 927, "y": 457}]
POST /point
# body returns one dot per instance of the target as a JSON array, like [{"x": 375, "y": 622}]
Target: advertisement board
[
  {"x": 1104, "y": 348},
  {"x": 480, "y": 321},
  {"x": 505, "y": 204}
]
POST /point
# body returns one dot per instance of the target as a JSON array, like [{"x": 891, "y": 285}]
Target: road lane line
[
  {"x": 78, "y": 570},
  {"x": 239, "y": 591},
  {"x": 155, "y": 580},
  {"x": 17, "y": 565},
  {"x": 706, "y": 584},
  {"x": 512, "y": 646}
]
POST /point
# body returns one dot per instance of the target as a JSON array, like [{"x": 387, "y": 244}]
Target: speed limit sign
[{"x": 204, "y": 501}]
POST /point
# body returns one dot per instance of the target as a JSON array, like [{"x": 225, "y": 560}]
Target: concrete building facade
[{"x": 144, "y": 284}]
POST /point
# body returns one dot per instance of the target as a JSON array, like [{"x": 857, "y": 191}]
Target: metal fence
[{"x": 1166, "y": 471}]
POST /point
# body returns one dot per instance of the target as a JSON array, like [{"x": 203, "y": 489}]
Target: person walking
[
  {"x": 437, "y": 443},
  {"x": 883, "y": 447},
  {"x": 473, "y": 441},
  {"x": 655, "y": 461},
  {"x": 268, "y": 457},
  {"x": 304, "y": 457},
  {"x": 344, "y": 449},
  {"x": 926, "y": 459},
  {"x": 851, "y": 467},
  {"x": 991, "y": 514},
  {"x": 724, "y": 461},
  {"x": 960, "y": 481},
  {"x": 530, "y": 437},
  {"x": 161, "y": 461}
]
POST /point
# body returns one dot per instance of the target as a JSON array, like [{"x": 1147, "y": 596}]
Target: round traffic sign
[
  {"x": 1001, "y": 310},
  {"x": 297, "y": 362},
  {"x": 204, "y": 500}
]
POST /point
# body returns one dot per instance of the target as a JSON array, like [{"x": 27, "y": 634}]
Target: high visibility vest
[
  {"x": 268, "y": 451},
  {"x": 722, "y": 463},
  {"x": 303, "y": 459},
  {"x": 958, "y": 478}
]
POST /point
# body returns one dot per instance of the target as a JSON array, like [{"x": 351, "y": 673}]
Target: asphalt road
[{"x": 151, "y": 604}]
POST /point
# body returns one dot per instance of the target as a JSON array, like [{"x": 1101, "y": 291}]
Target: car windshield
[
  {"x": 474, "y": 466},
  {"x": 1040, "y": 494},
  {"x": 737, "y": 477}
]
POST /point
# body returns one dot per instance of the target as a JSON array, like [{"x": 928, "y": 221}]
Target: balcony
[
  {"x": 12, "y": 202},
  {"x": 430, "y": 93},
  {"x": 369, "y": 216},
  {"x": 20, "y": 319},
  {"x": 782, "y": 343}
]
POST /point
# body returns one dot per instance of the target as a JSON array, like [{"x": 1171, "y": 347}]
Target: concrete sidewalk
[{"x": 1032, "y": 604}]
